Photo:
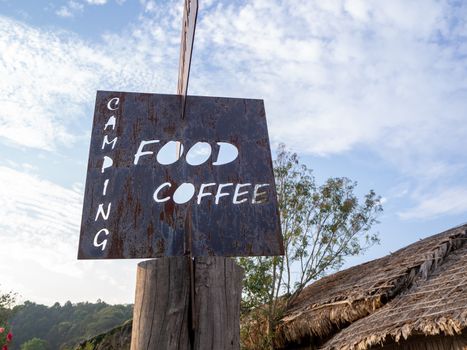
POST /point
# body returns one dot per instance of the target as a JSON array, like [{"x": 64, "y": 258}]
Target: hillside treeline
[{"x": 62, "y": 327}]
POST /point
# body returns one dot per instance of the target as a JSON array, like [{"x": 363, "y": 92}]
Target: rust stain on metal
[{"x": 132, "y": 206}]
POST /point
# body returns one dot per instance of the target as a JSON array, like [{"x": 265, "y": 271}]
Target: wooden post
[
  {"x": 218, "y": 291},
  {"x": 161, "y": 317}
]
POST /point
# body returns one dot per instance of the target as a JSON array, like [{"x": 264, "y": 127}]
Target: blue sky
[{"x": 371, "y": 90}]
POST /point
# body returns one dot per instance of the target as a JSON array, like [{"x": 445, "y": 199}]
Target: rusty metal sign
[{"x": 155, "y": 178}]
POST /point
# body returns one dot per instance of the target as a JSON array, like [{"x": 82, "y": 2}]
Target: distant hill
[{"x": 64, "y": 327}]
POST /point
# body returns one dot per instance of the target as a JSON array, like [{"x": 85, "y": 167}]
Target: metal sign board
[{"x": 160, "y": 185}]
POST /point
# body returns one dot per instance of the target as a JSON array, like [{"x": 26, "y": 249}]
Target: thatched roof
[{"x": 420, "y": 289}]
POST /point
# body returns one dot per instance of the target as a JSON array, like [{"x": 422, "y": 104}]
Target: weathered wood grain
[
  {"x": 218, "y": 289},
  {"x": 161, "y": 318}
]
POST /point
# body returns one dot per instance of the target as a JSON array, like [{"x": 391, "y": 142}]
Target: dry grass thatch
[{"x": 420, "y": 289}]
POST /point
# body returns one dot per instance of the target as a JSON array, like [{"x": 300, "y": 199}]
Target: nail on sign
[{"x": 156, "y": 179}]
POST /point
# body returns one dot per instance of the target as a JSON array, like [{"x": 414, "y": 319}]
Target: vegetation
[
  {"x": 63, "y": 327},
  {"x": 35, "y": 344},
  {"x": 118, "y": 338},
  {"x": 7, "y": 301},
  {"x": 322, "y": 225}
]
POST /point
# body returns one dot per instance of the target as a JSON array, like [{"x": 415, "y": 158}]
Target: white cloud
[
  {"x": 32, "y": 207},
  {"x": 445, "y": 202},
  {"x": 70, "y": 9},
  {"x": 39, "y": 231},
  {"x": 96, "y": 2},
  {"x": 48, "y": 81},
  {"x": 38, "y": 221},
  {"x": 342, "y": 74},
  {"x": 64, "y": 12},
  {"x": 149, "y": 5},
  {"x": 75, "y": 5},
  {"x": 43, "y": 90}
]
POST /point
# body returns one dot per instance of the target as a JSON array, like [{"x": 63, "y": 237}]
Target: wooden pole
[
  {"x": 218, "y": 291},
  {"x": 162, "y": 315}
]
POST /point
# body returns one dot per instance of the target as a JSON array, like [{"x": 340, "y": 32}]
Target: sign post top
[{"x": 190, "y": 14}]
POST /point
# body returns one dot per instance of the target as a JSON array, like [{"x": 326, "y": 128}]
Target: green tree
[
  {"x": 7, "y": 300},
  {"x": 62, "y": 327},
  {"x": 35, "y": 344},
  {"x": 321, "y": 225}
]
